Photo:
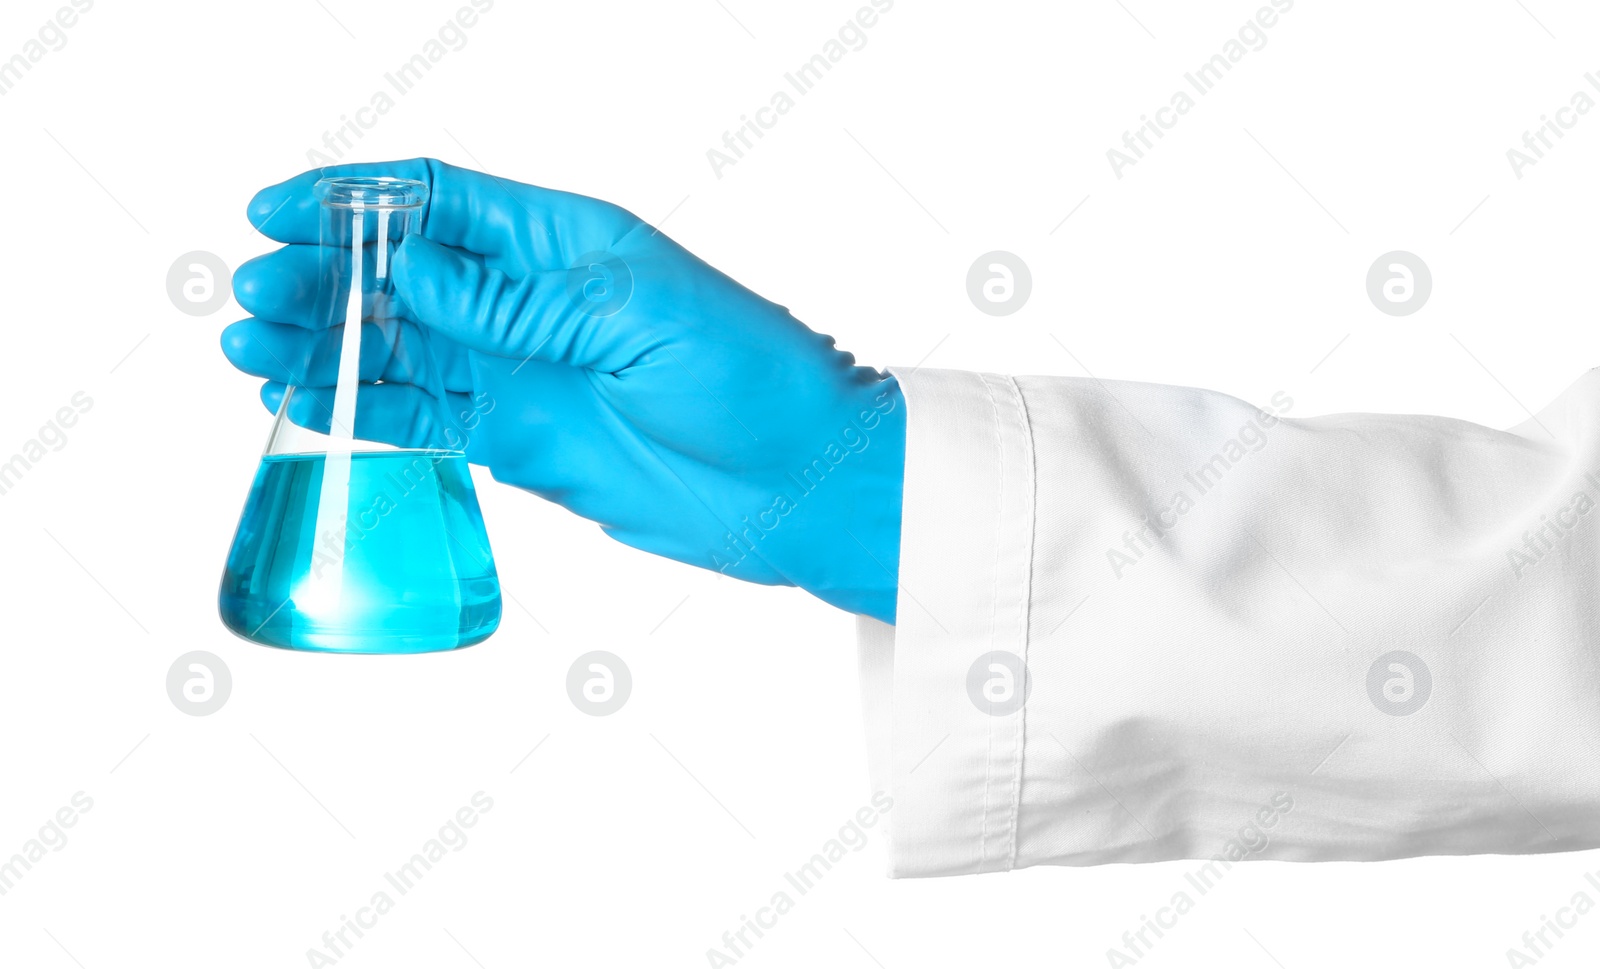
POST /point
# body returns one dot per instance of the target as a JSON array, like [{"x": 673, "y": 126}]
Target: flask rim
[{"x": 370, "y": 192}]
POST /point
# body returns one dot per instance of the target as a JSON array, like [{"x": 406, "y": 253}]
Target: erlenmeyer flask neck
[
  {"x": 369, "y": 192},
  {"x": 374, "y": 361}
]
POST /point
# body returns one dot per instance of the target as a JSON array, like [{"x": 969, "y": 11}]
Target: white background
[{"x": 1233, "y": 257}]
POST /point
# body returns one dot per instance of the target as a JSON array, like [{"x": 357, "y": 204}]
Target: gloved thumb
[{"x": 486, "y": 310}]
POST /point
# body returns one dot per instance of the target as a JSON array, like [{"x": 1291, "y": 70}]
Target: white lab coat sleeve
[{"x": 1139, "y": 623}]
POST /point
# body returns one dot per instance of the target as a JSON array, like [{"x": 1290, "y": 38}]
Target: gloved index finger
[{"x": 469, "y": 210}]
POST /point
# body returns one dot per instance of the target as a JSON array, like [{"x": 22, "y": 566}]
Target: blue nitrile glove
[{"x": 602, "y": 366}]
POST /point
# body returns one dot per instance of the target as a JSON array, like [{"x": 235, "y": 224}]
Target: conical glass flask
[{"x": 362, "y": 532}]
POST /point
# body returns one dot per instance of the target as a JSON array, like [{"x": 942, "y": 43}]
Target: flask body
[{"x": 362, "y": 532}]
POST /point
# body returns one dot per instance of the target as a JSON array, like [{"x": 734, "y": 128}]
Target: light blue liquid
[{"x": 414, "y": 573}]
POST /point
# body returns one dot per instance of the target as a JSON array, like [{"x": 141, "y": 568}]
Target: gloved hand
[{"x": 610, "y": 370}]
